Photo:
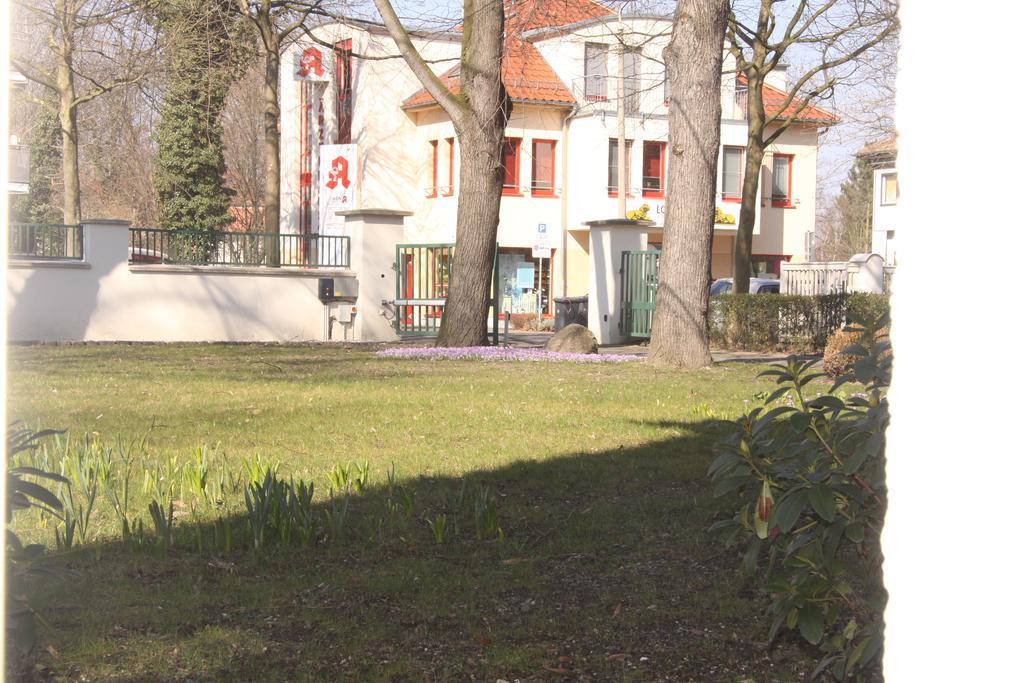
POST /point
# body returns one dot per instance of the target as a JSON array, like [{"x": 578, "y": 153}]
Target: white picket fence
[
  {"x": 863, "y": 273},
  {"x": 809, "y": 279}
]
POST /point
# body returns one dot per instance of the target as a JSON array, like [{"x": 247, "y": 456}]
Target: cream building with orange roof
[{"x": 562, "y": 73}]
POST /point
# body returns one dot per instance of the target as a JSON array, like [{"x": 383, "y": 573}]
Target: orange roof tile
[
  {"x": 885, "y": 147},
  {"x": 525, "y": 15},
  {"x": 773, "y": 99},
  {"x": 526, "y": 74}
]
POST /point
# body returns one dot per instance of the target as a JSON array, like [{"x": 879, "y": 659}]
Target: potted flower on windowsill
[{"x": 722, "y": 218}]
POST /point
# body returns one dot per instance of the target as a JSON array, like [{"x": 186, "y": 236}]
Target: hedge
[{"x": 777, "y": 322}]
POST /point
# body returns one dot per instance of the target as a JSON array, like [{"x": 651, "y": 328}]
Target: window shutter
[{"x": 595, "y": 70}]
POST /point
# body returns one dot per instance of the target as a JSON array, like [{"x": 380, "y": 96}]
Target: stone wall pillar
[
  {"x": 105, "y": 243},
  {"x": 866, "y": 273},
  {"x": 608, "y": 239},
  {"x": 374, "y": 234}
]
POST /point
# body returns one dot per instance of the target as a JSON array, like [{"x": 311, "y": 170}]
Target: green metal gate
[
  {"x": 424, "y": 271},
  {"x": 421, "y": 288},
  {"x": 639, "y": 285}
]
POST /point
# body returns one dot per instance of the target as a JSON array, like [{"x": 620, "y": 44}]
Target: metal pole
[
  {"x": 565, "y": 206},
  {"x": 540, "y": 289},
  {"x": 497, "y": 298},
  {"x": 622, "y": 179}
]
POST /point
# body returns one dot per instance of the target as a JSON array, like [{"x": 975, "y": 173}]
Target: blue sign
[
  {"x": 524, "y": 275},
  {"x": 542, "y": 236}
]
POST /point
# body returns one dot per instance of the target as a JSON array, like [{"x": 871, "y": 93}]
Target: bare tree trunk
[
  {"x": 480, "y": 127},
  {"x": 272, "y": 148},
  {"x": 68, "y": 114},
  {"x": 750, "y": 194},
  {"x": 693, "y": 58},
  {"x": 476, "y": 231}
]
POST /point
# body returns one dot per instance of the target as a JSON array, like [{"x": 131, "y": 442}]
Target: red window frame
[
  {"x": 542, "y": 191},
  {"x": 343, "y": 82},
  {"x": 450, "y": 190},
  {"x": 660, "y": 147},
  {"x": 738, "y": 197},
  {"x": 433, "y": 170},
  {"x": 787, "y": 201},
  {"x": 510, "y": 158},
  {"x": 629, "y": 156}
]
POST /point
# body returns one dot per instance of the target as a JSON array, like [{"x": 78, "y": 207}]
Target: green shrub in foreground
[{"x": 809, "y": 481}]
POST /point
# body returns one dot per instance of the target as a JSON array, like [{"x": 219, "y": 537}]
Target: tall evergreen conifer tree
[
  {"x": 204, "y": 54},
  {"x": 44, "y": 172}
]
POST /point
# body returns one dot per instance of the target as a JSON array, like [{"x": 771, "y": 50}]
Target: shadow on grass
[{"x": 606, "y": 571}]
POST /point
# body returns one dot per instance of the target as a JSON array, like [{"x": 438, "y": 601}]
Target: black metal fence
[
  {"x": 45, "y": 242},
  {"x": 202, "y": 247}
]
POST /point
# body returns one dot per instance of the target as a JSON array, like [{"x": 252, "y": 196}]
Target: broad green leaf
[
  {"x": 728, "y": 485},
  {"x": 855, "y": 350},
  {"x": 855, "y": 532},
  {"x": 810, "y": 378},
  {"x": 35, "y": 472},
  {"x": 722, "y": 461},
  {"x": 789, "y": 509},
  {"x": 856, "y": 654},
  {"x": 811, "y": 622},
  {"x": 823, "y": 502},
  {"x": 850, "y": 629},
  {"x": 770, "y": 416},
  {"x": 33, "y": 490},
  {"x": 800, "y": 422},
  {"x": 826, "y": 401},
  {"x": 854, "y": 462},
  {"x": 822, "y": 665},
  {"x": 863, "y": 370},
  {"x": 872, "y": 648}
]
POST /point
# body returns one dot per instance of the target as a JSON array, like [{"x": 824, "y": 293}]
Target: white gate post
[
  {"x": 866, "y": 273},
  {"x": 608, "y": 239},
  {"x": 374, "y": 234}
]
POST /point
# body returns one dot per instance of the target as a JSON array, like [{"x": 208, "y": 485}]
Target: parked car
[{"x": 758, "y": 285}]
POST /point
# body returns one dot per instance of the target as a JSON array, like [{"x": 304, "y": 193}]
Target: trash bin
[{"x": 569, "y": 310}]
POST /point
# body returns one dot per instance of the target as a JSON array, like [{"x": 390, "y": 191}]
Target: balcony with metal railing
[{"x": 646, "y": 97}]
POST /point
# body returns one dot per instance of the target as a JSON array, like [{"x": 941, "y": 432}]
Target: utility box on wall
[{"x": 325, "y": 289}]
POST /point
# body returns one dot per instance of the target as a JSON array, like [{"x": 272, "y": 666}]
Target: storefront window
[{"x": 525, "y": 282}]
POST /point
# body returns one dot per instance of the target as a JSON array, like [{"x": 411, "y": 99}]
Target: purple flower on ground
[{"x": 499, "y": 353}]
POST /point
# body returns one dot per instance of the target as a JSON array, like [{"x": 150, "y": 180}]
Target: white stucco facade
[
  {"x": 883, "y": 216},
  {"x": 396, "y": 148}
]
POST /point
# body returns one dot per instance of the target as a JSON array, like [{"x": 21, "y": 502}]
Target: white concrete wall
[
  {"x": 389, "y": 160},
  {"x": 883, "y": 220},
  {"x": 782, "y": 230},
  {"x": 103, "y": 298}
]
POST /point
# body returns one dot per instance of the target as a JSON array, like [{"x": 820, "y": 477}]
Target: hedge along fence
[{"x": 779, "y": 322}]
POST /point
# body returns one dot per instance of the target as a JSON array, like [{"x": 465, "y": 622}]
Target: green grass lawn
[{"x": 606, "y": 571}]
